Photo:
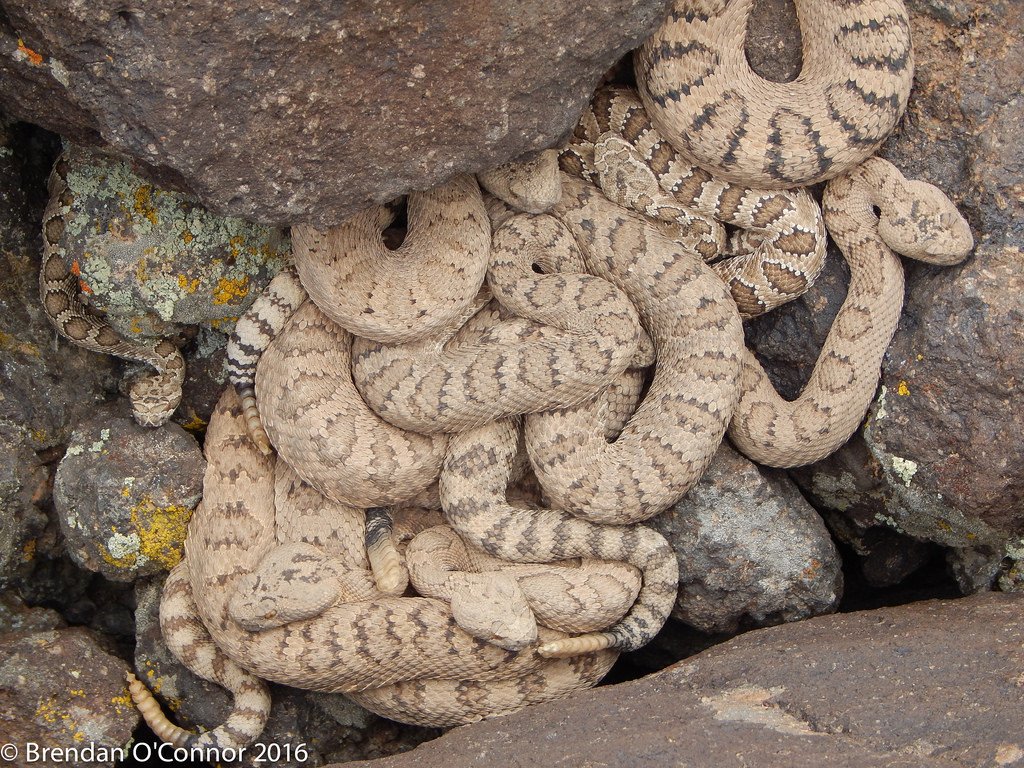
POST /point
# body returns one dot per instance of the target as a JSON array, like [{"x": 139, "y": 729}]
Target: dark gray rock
[
  {"x": 60, "y": 690},
  {"x": 125, "y": 493},
  {"x": 23, "y": 484},
  {"x": 282, "y": 113},
  {"x": 151, "y": 259},
  {"x": 15, "y": 616},
  {"x": 931, "y": 685},
  {"x": 751, "y": 550},
  {"x": 47, "y": 386},
  {"x": 329, "y": 726},
  {"x": 206, "y": 375},
  {"x": 940, "y": 458}
]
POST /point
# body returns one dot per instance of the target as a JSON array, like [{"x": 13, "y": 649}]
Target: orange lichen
[
  {"x": 33, "y": 58},
  {"x": 231, "y": 291},
  {"x": 187, "y": 285}
]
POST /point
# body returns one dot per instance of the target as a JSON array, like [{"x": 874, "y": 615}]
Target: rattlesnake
[
  {"x": 405, "y": 658},
  {"x": 780, "y": 246},
  {"x": 661, "y": 450},
  {"x": 153, "y": 397},
  {"x": 918, "y": 221},
  {"x": 702, "y": 95}
]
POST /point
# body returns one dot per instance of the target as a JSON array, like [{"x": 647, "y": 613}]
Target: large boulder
[
  {"x": 929, "y": 685},
  {"x": 305, "y": 112}
]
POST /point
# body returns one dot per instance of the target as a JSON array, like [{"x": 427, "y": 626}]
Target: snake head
[
  {"x": 492, "y": 607},
  {"x": 926, "y": 226},
  {"x": 293, "y": 582}
]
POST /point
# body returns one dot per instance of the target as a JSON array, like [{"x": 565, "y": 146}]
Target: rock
[
  {"x": 886, "y": 557},
  {"x": 23, "y": 484},
  {"x": 942, "y": 458},
  {"x": 152, "y": 259},
  {"x": 125, "y": 493},
  {"x": 935, "y": 684},
  {"x": 307, "y": 112},
  {"x": 962, "y": 131},
  {"x": 60, "y": 690},
  {"x": 47, "y": 385},
  {"x": 328, "y": 726},
  {"x": 751, "y": 550},
  {"x": 15, "y": 616},
  {"x": 206, "y": 375}
]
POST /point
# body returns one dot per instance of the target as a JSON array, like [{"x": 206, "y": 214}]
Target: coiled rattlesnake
[
  {"x": 702, "y": 95},
  {"x": 646, "y": 283}
]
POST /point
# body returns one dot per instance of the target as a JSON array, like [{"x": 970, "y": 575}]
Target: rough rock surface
[
  {"x": 751, "y": 550},
  {"x": 328, "y": 725},
  {"x": 125, "y": 493},
  {"x": 48, "y": 386},
  {"x": 23, "y": 484},
  {"x": 59, "y": 689},
  {"x": 15, "y": 616},
  {"x": 206, "y": 375},
  {"x": 895, "y": 687},
  {"x": 940, "y": 458},
  {"x": 281, "y": 113},
  {"x": 151, "y": 259}
]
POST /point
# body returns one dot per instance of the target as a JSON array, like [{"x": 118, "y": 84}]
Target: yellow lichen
[
  {"x": 141, "y": 273},
  {"x": 159, "y": 530},
  {"x": 144, "y": 205},
  {"x": 195, "y": 424},
  {"x": 902, "y": 389},
  {"x": 236, "y": 244},
  {"x": 231, "y": 291},
  {"x": 187, "y": 285},
  {"x": 123, "y": 702},
  {"x": 220, "y": 322},
  {"x": 28, "y": 551},
  {"x": 50, "y": 713}
]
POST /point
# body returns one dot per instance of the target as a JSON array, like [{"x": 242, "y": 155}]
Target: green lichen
[
  {"x": 142, "y": 249},
  {"x": 905, "y": 469}
]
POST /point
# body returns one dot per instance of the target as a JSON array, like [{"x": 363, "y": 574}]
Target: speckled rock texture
[
  {"x": 153, "y": 260},
  {"x": 23, "y": 484},
  {"x": 330, "y": 727},
  {"x": 206, "y": 375},
  {"x": 59, "y": 689},
  {"x": 285, "y": 113},
  {"x": 47, "y": 386},
  {"x": 125, "y": 493},
  {"x": 890, "y": 688},
  {"x": 751, "y": 550},
  {"x": 941, "y": 456}
]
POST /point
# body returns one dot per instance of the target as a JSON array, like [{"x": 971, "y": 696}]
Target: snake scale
[{"x": 433, "y": 374}]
